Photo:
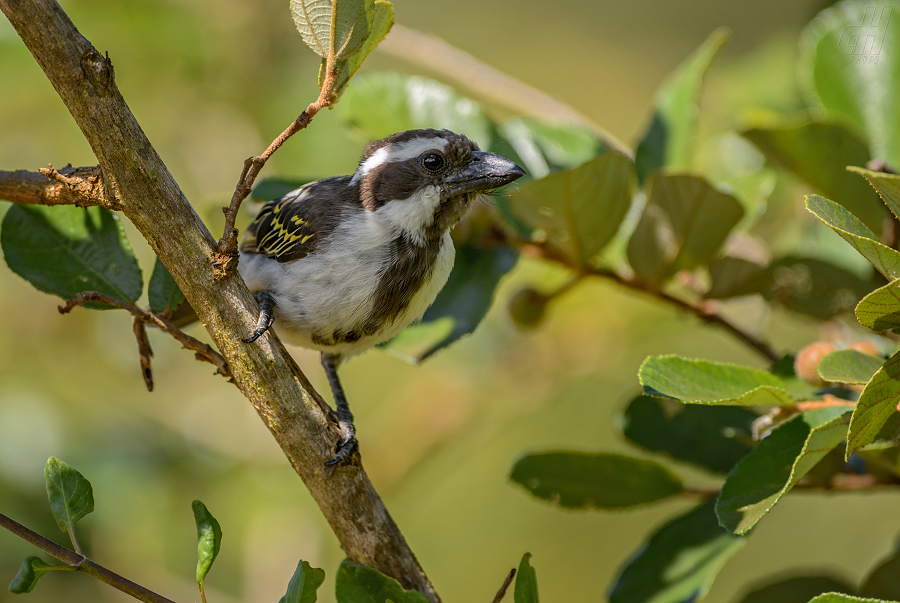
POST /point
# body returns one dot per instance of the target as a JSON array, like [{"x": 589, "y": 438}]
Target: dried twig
[
  {"x": 144, "y": 350},
  {"x": 81, "y": 186},
  {"x": 202, "y": 351},
  {"x": 502, "y": 592}
]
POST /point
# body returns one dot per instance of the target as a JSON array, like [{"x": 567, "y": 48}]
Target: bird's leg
[
  {"x": 266, "y": 314},
  {"x": 345, "y": 417}
]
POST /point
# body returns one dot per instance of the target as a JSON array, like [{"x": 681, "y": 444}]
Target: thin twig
[
  {"x": 81, "y": 186},
  {"x": 202, "y": 350},
  {"x": 144, "y": 350},
  {"x": 502, "y": 592},
  {"x": 82, "y": 563}
]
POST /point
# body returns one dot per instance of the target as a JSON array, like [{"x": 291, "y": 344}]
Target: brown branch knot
[
  {"x": 98, "y": 70},
  {"x": 84, "y": 187}
]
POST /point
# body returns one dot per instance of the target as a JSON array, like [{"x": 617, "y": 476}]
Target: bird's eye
[{"x": 433, "y": 161}]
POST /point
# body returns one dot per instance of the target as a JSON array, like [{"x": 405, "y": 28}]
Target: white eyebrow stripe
[{"x": 399, "y": 151}]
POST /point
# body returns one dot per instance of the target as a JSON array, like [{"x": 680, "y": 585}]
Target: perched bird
[{"x": 345, "y": 263}]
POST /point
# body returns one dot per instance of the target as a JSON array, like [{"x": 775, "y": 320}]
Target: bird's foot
[
  {"x": 347, "y": 444},
  {"x": 266, "y": 315}
]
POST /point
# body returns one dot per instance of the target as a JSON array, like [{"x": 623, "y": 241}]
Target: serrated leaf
[
  {"x": 880, "y": 309},
  {"x": 849, "y": 65},
  {"x": 710, "y": 437},
  {"x": 65, "y": 250},
  {"x": 304, "y": 584},
  {"x": 736, "y": 277},
  {"x": 546, "y": 147},
  {"x": 380, "y": 104},
  {"x": 678, "y": 562},
  {"x": 361, "y": 584},
  {"x": 579, "y": 210},
  {"x": 852, "y": 230},
  {"x": 670, "y": 138},
  {"x": 876, "y": 405},
  {"x": 209, "y": 539},
  {"x": 887, "y": 186},
  {"x": 333, "y": 28},
  {"x": 163, "y": 291},
  {"x": 684, "y": 223},
  {"x": 814, "y": 287},
  {"x": 526, "y": 590},
  {"x": 780, "y": 460},
  {"x": 841, "y": 598},
  {"x": 460, "y": 306},
  {"x": 819, "y": 153},
  {"x": 849, "y": 366},
  {"x": 798, "y": 589},
  {"x": 71, "y": 495},
  {"x": 578, "y": 480},
  {"x": 883, "y": 582},
  {"x": 381, "y": 24},
  {"x": 704, "y": 382},
  {"x": 31, "y": 570}
]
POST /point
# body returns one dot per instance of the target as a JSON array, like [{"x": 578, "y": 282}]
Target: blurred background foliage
[{"x": 212, "y": 83}]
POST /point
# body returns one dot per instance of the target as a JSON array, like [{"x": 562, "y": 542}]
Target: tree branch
[
  {"x": 70, "y": 186},
  {"x": 136, "y": 179},
  {"x": 81, "y": 563}
]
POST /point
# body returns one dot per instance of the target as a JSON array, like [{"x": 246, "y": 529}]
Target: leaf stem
[
  {"x": 78, "y": 562},
  {"x": 71, "y": 530}
]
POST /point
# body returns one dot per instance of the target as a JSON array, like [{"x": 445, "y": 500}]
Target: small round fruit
[
  {"x": 806, "y": 365},
  {"x": 866, "y": 346},
  {"x": 527, "y": 308}
]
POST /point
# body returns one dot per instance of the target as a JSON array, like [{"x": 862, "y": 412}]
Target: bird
[{"x": 345, "y": 263}]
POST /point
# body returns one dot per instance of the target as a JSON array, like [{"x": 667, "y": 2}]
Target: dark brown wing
[{"x": 291, "y": 227}]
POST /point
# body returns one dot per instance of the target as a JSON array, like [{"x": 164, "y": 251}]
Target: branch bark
[{"x": 136, "y": 180}]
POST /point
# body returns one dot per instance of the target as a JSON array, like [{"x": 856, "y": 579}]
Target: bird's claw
[
  {"x": 266, "y": 315},
  {"x": 347, "y": 444}
]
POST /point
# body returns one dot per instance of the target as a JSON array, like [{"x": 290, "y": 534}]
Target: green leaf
[
  {"x": 880, "y": 309},
  {"x": 545, "y": 147},
  {"x": 380, "y": 104},
  {"x": 849, "y": 366},
  {"x": 780, "y": 460},
  {"x": 814, "y": 287},
  {"x": 361, "y": 584},
  {"x": 333, "y": 28},
  {"x": 65, "y": 250},
  {"x": 841, "y": 598},
  {"x": 381, "y": 24},
  {"x": 526, "y": 582},
  {"x": 163, "y": 290},
  {"x": 460, "y": 306},
  {"x": 276, "y": 186},
  {"x": 682, "y": 227},
  {"x": 209, "y": 539},
  {"x": 579, "y": 210},
  {"x": 843, "y": 78},
  {"x": 712, "y": 437},
  {"x": 304, "y": 584},
  {"x": 883, "y": 582},
  {"x": 31, "y": 570},
  {"x": 851, "y": 228},
  {"x": 798, "y": 589},
  {"x": 735, "y": 277},
  {"x": 670, "y": 139},
  {"x": 679, "y": 561},
  {"x": 819, "y": 153},
  {"x": 578, "y": 480},
  {"x": 704, "y": 382},
  {"x": 887, "y": 186},
  {"x": 876, "y": 405},
  {"x": 70, "y": 494}
]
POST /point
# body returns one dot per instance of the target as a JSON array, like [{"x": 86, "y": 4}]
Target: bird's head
[{"x": 423, "y": 181}]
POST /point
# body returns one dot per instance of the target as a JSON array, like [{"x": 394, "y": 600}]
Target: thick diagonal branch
[{"x": 136, "y": 179}]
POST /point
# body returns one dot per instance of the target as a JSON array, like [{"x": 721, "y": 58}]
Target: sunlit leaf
[
  {"x": 31, "y": 570},
  {"x": 361, "y": 584},
  {"x": 780, "y": 460},
  {"x": 381, "y": 24},
  {"x": 851, "y": 228},
  {"x": 669, "y": 140},
  {"x": 526, "y": 590},
  {"x": 678, "y": 562},
  {"x": 876, "y": 405},
  {"x": 683, "y": 226},
  {"x": 711, "y": 437},
  {"x": 380, "y": 104},
  {"x": 209, "y": 539},
  {"x": 849, "y": 366},
  {"x": 850, "y": 66},
  {"x": 880, "y": 309},
  {"x": 578, "y": 480},
  {"x": 70, "y": 494},
  {"x": 887, "y": 185},
  {"x": 704, "y": 382},
  {"x": 841, "y": 598},
  {"x": 579, "y": 210},
  {"x": 333, "y": 28},
  {"x": 798, "y": 589},
  {"x": 65, "y": 250},
  {"x": 814, "y": 287},
  {"x": 163, "y": 291},
  {"x": 304, "y": 584},
  {"x": 545, "y": 147}
]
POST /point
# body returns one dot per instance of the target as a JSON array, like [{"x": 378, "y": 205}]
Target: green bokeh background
[{"x": 212, "y": 82}]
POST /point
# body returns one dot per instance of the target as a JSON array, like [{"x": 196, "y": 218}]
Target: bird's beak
[{"x": 485, "y": 172}]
